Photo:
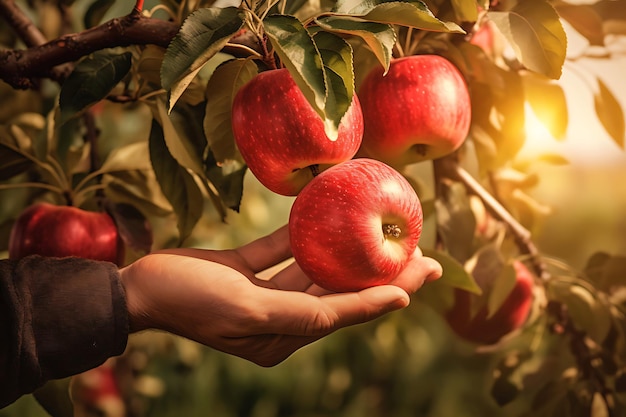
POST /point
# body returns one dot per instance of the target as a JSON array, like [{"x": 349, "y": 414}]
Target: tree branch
[
  {"x": 21, "y": 24},
  {"x": 21, "y": 68},
  {"x": 450, "y": 168}
]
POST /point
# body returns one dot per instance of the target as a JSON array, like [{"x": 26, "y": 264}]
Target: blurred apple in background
[{"x": 59, "y": 231}]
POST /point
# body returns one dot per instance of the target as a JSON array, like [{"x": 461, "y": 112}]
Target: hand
[{"x": 217, "y": 298}]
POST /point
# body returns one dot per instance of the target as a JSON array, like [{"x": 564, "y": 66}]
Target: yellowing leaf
[{"x": 610, "y": 113}]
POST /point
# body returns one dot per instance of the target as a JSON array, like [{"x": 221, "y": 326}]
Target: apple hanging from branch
[
  {"x": 59, "y": 231},
  {"x": 281, "y": 137},
  {"x": 420, "y": 110},
  {"x": 355, "y": 225}
]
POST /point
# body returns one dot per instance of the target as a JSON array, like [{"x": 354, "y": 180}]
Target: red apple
[
  {"x": 510, "y": 316},
  {"x": 419, "y": 110},
  {"x": 59, "y": 231},
  {"x": 281, "y": 137},
  {"x": 355, "y": 225}
]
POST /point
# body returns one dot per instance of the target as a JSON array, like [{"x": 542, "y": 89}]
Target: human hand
[{"x": 217, "y": 298}]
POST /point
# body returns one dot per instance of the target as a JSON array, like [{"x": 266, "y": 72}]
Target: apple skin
[
  {"x": 420, "y": 110},
  {"x": 60, "y": 231},
  {"x": 509, "y": 317},
  {"x": 279, "y": 134},
  {"x": 336, "y": 225}
]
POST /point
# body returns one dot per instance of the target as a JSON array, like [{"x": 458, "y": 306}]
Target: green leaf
[
  {"x": 177, "y": 184},
  {"x": 185, "y": 152},
  {"x": 139, "y": 188},
  {"x": 587, "y": 312},
  {"x": 536, "y": 35},
  {"x": 607, "y": 272},
  {"x": 133, "y": 227},
  {"x": 127, "y": 158},
  {"x": 228, "y": 180},
  {"x": 610, "y": 113},
  {"x": 92, "y": 80},
  {"x": 380, "y": 37},
  {"x": 548, "y": 102},
  {"x": 221, "y": 89},
  {"x": 456, "y": 222},
  {"x": 410, "y": 13},
  {"x": 336, "y": 55},
  {"x": 297, "y": 51},
  {"x": 202, "y": 35},
  {"x": 454, "y": 274}
]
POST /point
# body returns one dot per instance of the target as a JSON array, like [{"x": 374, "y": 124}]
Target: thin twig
[{"x": 521, "y": 234}]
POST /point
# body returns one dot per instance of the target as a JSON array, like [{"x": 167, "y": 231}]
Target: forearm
[{"x": 60, "y": 317}]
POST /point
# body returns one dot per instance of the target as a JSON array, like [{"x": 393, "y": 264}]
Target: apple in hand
[
  {"x": 355, "y": 225},
  {"x": 420, "y": 110},
  {"x": 281, "y": 137},
  {"x": 511, "y": 315},
  {"x": 59, "y": 231}
]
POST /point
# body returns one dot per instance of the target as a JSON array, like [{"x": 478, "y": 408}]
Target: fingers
[
  {"x": 266, "y": 251},
  {"x": 301, "y": 314},
  {"x": 418, "y": 271}
]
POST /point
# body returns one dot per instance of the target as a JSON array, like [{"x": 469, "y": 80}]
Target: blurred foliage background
[{"x": 408, "y": 363}]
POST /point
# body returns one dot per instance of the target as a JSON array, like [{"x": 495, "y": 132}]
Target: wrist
[{"x": 138, "y": 317}]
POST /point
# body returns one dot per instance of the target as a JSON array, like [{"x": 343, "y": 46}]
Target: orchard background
[{"x": 123, "y": 106}]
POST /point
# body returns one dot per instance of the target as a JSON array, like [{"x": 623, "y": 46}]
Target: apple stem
[{"x": 392, "y": 230}]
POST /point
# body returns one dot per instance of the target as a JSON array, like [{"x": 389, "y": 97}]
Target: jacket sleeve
[{"x": 58, "y": 317}]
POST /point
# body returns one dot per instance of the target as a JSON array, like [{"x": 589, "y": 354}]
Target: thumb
[{"x": 367, "y": 304}]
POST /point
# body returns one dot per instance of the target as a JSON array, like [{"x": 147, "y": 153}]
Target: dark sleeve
[{"x": 58, "y": 317}]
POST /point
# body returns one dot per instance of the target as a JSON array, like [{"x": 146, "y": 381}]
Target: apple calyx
[
  {"x": 315, "y": 169},
  {"x": 421, "y": 149},
  {"x": 392, "y": 230}
]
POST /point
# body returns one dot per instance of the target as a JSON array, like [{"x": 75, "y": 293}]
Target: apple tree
[{"x": 133, "y": 109}]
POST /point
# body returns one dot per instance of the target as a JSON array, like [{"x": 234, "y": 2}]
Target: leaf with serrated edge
[
  {"x": 183, "y": 151},
  {"x": 220, "y": 93},
  {"x": 380, "y": 37},
  {"x": 610, "y": 113},
  {"x": 535, "y": 32},
  {"x": 92, "y": 79},
  {"x": 337, "y": 58},
  {"x": 297, "y": 51},
  {"x": 410, "y": 13},
  {"x": 178, "y": 185},
  {"x": 203, "y": 34}
]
